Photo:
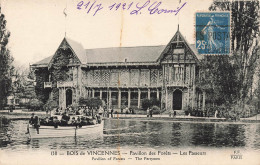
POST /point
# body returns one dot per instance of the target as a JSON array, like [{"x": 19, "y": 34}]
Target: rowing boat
[{"x": 64, "y": 131}]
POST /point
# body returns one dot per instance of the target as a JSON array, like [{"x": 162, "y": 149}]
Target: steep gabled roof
[
  {"x": 178, "y": 34},
  {"x": 78, "y": 50},
  {"x": 139, "y": 54},
  {"x": 120, "y": 54}
]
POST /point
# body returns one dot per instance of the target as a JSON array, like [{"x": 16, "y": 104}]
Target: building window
[
  {"x": 124, "y": 99},
  {"x": 153, "y": 95},
  {"x": 114, "y": 99},
  {"x": 144, "y": 95},
  {"x": 97, "y": 94},
  {"x": 134, "y": 99}
]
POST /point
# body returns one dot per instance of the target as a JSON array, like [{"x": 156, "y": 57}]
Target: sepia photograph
[{"x": 129, "y": 82}]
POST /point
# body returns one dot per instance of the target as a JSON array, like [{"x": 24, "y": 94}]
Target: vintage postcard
[{"x": 129, "y": 82}]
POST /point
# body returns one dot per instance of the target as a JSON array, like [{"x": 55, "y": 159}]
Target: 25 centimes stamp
[{"x": 212, "y": 33}]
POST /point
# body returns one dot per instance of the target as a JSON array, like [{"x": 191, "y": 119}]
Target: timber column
[
  {"x": 119, "y": 98},
  {"x": 129, "y": 98},
  {"x": 203, "y": 100},
  {"x": 139, "y": 98}
]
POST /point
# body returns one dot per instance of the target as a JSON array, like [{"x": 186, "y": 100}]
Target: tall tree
[
  {"x": 244, "y": 40},
  {"x": 6, "y": 68},
  {"x": 217, "y": 79}
]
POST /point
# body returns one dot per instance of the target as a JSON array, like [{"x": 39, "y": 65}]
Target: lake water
[{"x": 137, "y": 134}]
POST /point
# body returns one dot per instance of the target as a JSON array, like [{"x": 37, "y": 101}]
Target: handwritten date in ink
[
  {"x": 90, "y": 6},
  {"x": 134, "y": 8}
]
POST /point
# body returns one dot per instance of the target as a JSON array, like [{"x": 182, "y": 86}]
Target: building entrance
[
  {"x": 177, "y": 100},
  {"x": 68, "y": 97}
]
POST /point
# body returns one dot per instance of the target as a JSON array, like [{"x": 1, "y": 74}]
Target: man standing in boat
[
  {"x": 32, "y": 119},
  {"x": 35, "y": 122}
]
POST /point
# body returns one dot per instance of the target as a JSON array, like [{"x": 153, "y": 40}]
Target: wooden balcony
[
  {"x": 47, "y": 84},
  {"x": 65, "y": 84},
  {"x": 177, "y": 84}
]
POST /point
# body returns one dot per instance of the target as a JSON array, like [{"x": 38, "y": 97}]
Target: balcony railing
[
  {"x": 65, "y": 84},
  {"x": 177, "y": 83},
  {"x": 47, "y": 84}
]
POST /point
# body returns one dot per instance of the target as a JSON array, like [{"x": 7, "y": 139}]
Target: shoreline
[{"x": 162, "y": 118}]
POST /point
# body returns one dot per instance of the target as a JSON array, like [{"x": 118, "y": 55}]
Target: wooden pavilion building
[{"x": 122, "y": 76}]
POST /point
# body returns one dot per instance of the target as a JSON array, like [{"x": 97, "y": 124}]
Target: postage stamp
[{"x": 213, "y": 33}]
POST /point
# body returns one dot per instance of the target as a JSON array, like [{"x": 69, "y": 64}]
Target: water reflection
[{"x": 131, "y": 134}]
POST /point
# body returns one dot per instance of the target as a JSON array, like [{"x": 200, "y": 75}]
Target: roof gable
[
  {"x": 78, "y": 50},
  {"x": 173, "y": 50},
  {"x": 73, "y": 46}
]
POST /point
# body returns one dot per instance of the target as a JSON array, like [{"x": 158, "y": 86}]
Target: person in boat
[
  {"x": 84, "y": 121},
  {"x": 36, "y": 124},
  {"x": 77, "y": 112},
  {"x": 81, "y": 110},
  {"x": 32, "y": 119},
  {"x": 78, "y": 122},
  {"x": 65, "y": 119},
  {"x": 44, "y": 121},
  {"x": 72, "y": 122},
  {"x": 56, "y": 121}
]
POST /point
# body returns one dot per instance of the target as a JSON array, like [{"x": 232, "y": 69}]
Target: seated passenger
[
  {"x": 56, "y": 122},
  {"x": 78, "y": 122},
  {"x": 42, "y": 122},
  {"x": 77, "y": 112},
  {"x": 64, "y": 119},
  {"x": 32, "y": 120},
  {"x": 73, "y": 121},
  {"x": 84, "y": 121}
]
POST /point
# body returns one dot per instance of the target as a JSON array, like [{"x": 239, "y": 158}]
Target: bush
[
  {"x": 156, "y": 109},
  {"x": 93, "y": 102},
  {"x": 82, "y": 101},
  {"x": 146, "y": 103},
  {"x": 35, "y": 104},
  {"x": 187, "y": 110},
  {"x": 149, "y": 103},
  {"x": 50, "y": 105}
]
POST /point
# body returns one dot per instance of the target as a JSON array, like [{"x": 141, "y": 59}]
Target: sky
[{"x": 38, "y": 26}]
